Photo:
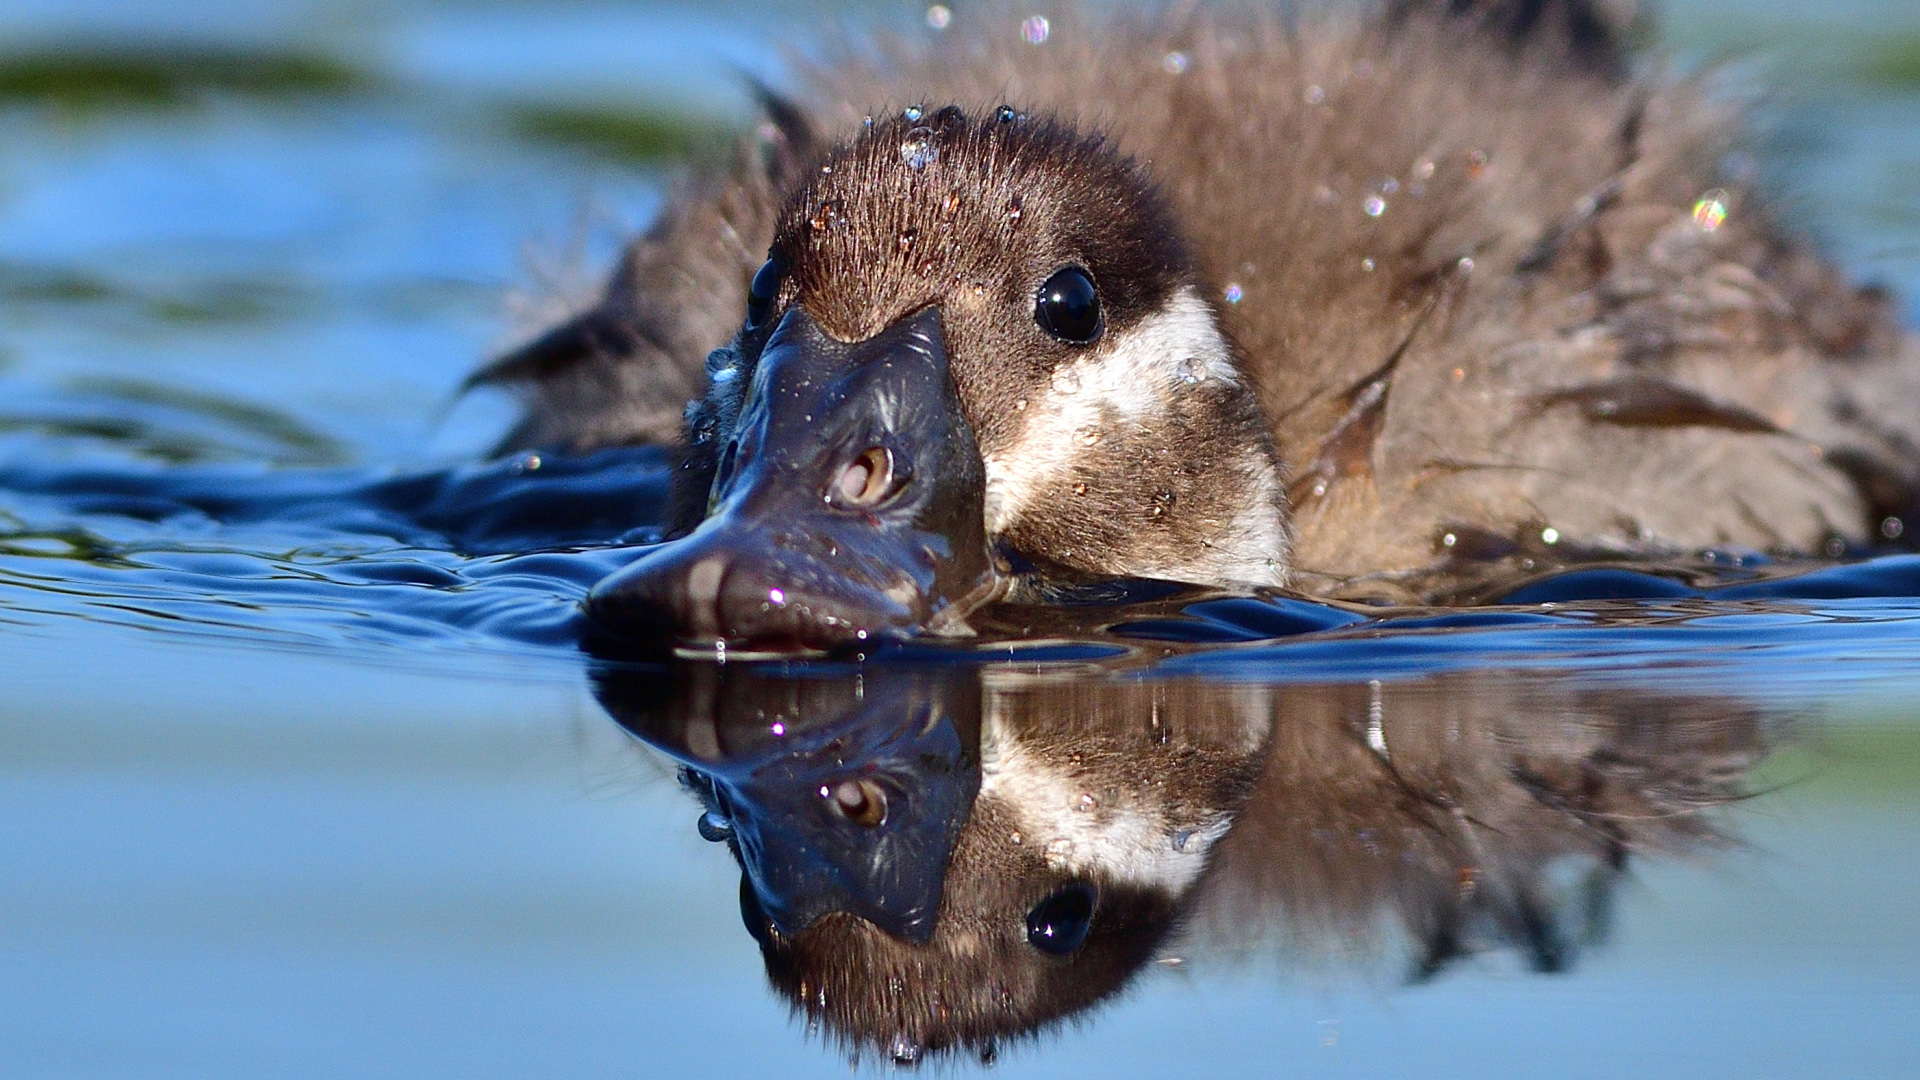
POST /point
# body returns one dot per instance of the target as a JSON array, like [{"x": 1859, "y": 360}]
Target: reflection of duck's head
[
  {"x": 1098, "y": 808},
  {"x": 923, "y": 872},
  {"x": 946, "y": 345}
]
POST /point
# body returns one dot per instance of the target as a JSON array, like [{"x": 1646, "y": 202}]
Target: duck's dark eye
[
  {"x": 761, "y": 294},
  {"x": 1058, "y": 925},
  {"x": 723, "y": 472},
  {"x": 1068, "y": 307}
]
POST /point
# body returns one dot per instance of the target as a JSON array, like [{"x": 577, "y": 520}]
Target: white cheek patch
[
  {"x": 1133, "y": 376},
  {"x": 1082, "y": 828}
]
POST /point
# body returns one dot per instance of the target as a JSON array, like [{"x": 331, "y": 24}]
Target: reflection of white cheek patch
[
  {"x": 1131, "y": 377},
  {"x": 1115, "y": 834}
]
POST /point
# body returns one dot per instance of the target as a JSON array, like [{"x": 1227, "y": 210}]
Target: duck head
[{"x": 974, "y": 337}]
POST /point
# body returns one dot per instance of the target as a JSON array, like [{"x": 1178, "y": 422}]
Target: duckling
[{"x": 1348, "y": 302}]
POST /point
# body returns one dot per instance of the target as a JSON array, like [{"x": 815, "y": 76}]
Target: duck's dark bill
[
  {"x": 847, "y": 504},
  {"x": 850, "y": 802}
]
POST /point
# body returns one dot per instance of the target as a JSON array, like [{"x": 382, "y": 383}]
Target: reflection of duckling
[
  {"x": 1110, "y": 812},
  {"x": 1338, "y": 303}
]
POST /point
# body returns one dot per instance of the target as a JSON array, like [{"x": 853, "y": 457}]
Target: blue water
[{"x": 301, "y": 766}]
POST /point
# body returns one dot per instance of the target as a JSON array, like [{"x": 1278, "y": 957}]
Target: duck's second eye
[
  {"x": 1068, "y": 307},
  {"x": 761, "y": 294}
]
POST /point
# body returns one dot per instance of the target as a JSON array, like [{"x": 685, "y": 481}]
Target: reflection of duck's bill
[
  {"x": 848, "y": 504},
  {"x": 840, "y": 793}
]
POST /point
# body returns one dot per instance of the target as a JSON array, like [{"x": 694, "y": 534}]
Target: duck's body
[{"x": 1423, "y": 283}]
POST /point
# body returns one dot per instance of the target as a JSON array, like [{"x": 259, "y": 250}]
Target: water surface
[{"x": 306, "y": 772}]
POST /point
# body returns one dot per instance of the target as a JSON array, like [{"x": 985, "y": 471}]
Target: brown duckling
[{"x": 1340, "y": 301}]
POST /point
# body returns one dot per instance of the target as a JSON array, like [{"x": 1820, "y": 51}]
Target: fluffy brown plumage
[{"x": 1454, "y": 250}]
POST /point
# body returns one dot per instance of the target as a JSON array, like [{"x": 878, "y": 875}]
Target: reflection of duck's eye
[
  {"x": 1058, "y": 925},
  {"x": 753, "y": 915},
  {"x": 867, "y": 480},
  {"x": 862, "y": 802},
  {"x": 762, "y": 293},
  {"x": 1068, "y": 307}
]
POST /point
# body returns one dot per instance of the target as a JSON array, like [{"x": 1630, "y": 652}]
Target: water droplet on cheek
[
  {"x": 939, "y": 16},
  {"x": 1374, "y": 206},
  {"x": 1036, "y": 30},
  {"x": 1233, "y": 294},
  {"x": 1175, "y": 63}
]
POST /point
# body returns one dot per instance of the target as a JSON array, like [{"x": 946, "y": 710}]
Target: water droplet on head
[
  {"x": 1180, "y": 839},
  {"x": 939, "y": 16},
  {"x": 1233, "y": 294},
  {"x": 1066, "y": 379},
  {"x": 1549, "y": 535},
  {"x": 1374, "y": 206},
  {"x": 1005, "y": 114},
  {"x": 1020, "y": 406},
  {"x": 1366, "y": 265},
  {"x": 1710, "y": 212},
  {"x": 907, "y": 237},
  {"x": 1892, "y": 527},
  {"x": 1175, "y": 63},
  {"x": 1016, "y": 208},
  {"x": 917, "y": 150},
  {"x": 1080, "y": 489},
  {"x": 1090, "y": 436},
  {"x": 1087, "y": 802},
  {"x": 913, "y": 113},
  {"x": 1035, "y": 30},
  {"x": 1466, "y": 264},
  {"x": 1423, "y": 169},
  {"x": 1058, "y": 852},
  {"x": 1192, "y": 370},
  {"x": 1315, "y": 95}
]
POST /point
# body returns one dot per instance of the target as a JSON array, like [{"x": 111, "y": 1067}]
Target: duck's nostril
[
  {"x": 866, "y": 480},
  {"x": 862, "y": 802}
]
